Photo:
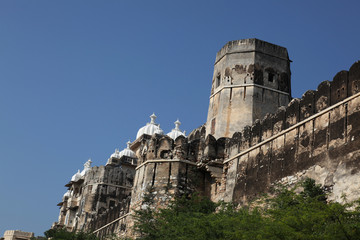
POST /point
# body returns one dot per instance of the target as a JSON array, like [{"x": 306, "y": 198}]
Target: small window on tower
[
  {"x": 271, "y": 77},
  {"x": 218, "y": 80}
]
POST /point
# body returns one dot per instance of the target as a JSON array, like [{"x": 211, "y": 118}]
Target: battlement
[
  {"x": 252, "y": 45},
  {"x": 328, "y": 93},
  {"x": 316, "y": 136}
]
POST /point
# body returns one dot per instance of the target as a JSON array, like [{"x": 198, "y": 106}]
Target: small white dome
[
  {"x": 87, "y": 167},
  {"x": 150, "y": 128},
  {"x": 115, "y": 154},
  {"x": 76, "y": 176},
  {"x": 176, "y": 131},
  {"x": 127, "y": 151}
]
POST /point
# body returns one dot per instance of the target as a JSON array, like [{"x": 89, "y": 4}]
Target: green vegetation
[
  {"x": 287, "y": 215},
  {"x": 62, "y": 234}
]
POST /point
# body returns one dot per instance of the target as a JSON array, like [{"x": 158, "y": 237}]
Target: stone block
[
  {"x": 322, "y": 96},
  {"x": 292, "y": 113},
  {"x": 339, "y": 87},
  {"x": 307, "y": 107},
  {"x": 354, "y": 79}
]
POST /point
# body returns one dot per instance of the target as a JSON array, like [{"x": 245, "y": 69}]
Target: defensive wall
[
  {"x": 112, "y": 221},
  {"x": 316, "y": 136}
]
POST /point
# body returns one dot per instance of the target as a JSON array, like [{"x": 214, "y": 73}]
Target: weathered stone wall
[
  {"x": 96, "y": 193},
  {"x": 17, "y": 235},
  {"x": 107, "y": 186},
  {"x": 251, "y": 78},
  {"x": 112, "y": 221},
  {"x": 316, "y": 136},
  {"x": 166, "y": 168}
]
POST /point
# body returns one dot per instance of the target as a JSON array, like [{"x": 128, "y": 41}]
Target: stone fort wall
[{"x": 317, "y": 136}]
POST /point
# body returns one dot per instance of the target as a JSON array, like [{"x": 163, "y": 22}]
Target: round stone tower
[{"x": 251, "y": 78}]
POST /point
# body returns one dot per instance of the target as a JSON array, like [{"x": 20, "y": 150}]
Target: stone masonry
[
  {"x": 255, "y": 136},
  {"x": 17, "y": 235}
]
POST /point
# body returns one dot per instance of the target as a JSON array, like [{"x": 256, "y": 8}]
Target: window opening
[
  {"x": 218, "y": 78},
  {"x": 271, "y": 77}
]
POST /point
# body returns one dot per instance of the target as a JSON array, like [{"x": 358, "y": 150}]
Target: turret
[{"x": 251, "y": 78}]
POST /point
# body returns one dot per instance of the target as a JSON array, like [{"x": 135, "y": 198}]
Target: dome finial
[
  {"x": 127, "y": 152},
  {"x": 176, "y": 131},
  {"x": 177, "y": 124},
  {"x": 88, "y": 163},
  {"x": 150, "y": 128},
  {"x": 153, "y": 117}
]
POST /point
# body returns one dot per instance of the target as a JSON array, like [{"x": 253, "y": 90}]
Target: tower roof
[{"x": 252, "y": 45}]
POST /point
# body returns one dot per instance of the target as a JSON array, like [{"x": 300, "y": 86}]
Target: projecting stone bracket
[
  {"x": 214, "y": 168},
  {"x": 215, "y": 172}
]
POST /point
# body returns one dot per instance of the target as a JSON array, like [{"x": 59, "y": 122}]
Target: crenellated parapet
[
  {"x": 316, "y": 136},
  {"x": 328, "y": 93}
]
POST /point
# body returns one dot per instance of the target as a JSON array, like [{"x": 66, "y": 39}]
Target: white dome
[
  {"x": 87, "y": 167},
  {"x": 176, "y": 131},
  {"x": 127, "y": 152},
  {"x": 150, "y": 128},
  {"x": 76, "y": 176},
  {"x": 115, "y": 154}
]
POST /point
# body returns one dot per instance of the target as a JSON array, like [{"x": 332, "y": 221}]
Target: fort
[{"x": 255, "y": 136}]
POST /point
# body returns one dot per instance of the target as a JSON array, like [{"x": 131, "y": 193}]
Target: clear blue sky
[{"x": 79, "y": 78}]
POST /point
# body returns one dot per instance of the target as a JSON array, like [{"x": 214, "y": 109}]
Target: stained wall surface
[
  {"x": 91, "y": 197},
  {"x": 317, "y": 136},
  {"x": 17, "y": 235},
  {"x": 251, "y": 78},
  {"x": 242, "y": 153}
]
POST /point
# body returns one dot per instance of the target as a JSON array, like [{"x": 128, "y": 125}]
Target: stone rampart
[
  {"x": 316, "y": 136},
  {"x": 112, "y": 221}
]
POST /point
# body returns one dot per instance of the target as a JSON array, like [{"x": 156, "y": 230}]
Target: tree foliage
[
  {"x": 62, "y": 234},
  {"x": 289, "y": 215}
]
